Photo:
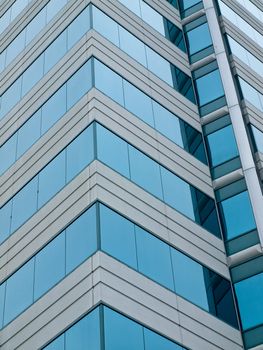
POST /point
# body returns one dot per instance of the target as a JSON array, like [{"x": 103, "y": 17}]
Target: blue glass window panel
[
  {"x": 8, "y": 153},
  {"x": 53, "y": 7},
  {"x": 52, "y": 178},
  {"x": 199, "y": 38},
  {"x": 152, "y": 17},
  {"x": 57, "y": 344},
  {"x": 189, "y": 279},
  {"x": 159, "y": 66},
  {"x": 209, "y": 87},
  {"x": 134, "y": 6},
  {"x": 235, "y": 224},
  {"x": 132, "y": 46},
  {"x": 5, "y": 219},
  {"x": 105, "y": 26},
  {"x": 258, "y": 135},
  {"x": 19, "y": 291},
  {"x": 18, "y": 7},
  {"x": 15, "y": 47},
  {"x": 85, "y": 334},
  {"x": 78, "y": 27},
  {"x": 79, "y": 84},
  {"x": 49, "y": 266},
  {"x": 28, "y": 134},
  {"x": 108, "y": 82},
  {"x": 154, "y": 341},
  {"x": 2, "y": 303},
  {"x": 112, "y": 151},
  {"x": 81, "y": 239},
  {"x": 80, "y": 153},
  {"x": 250, "y": 295},
  {"x": 121, "y": 332},
  {"x": 5, "y": 20},
  {"x": 154, "y": 259},
  {"x": 118, "y": 236},
  {"x": 24, "y": 204},
  {"x": 250, "y": 94},
  {"x": 53, "y": 109},
  {"x": 167, "y": 124},
  {"x": 33, "y": 74},
  {"x": 36, "y": 25},
  {"x": 222, "y": 145},
  {"x": 10, "y": 97},
  {"x": 2, "y": 60},
  {"x": 55, "y": 51},
  {"x": 177, "y": 193},
  {"x": 185, "y": 4},
  {"x": 138, "y": 103},
  {"x": 145, "y": 172}
]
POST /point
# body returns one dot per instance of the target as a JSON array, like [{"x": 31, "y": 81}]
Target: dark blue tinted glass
[
  {"x": 209, "y": 87},
  {"x": 249, "y": 294},
  {"x": 235, "y": 224},
  {"x": 153, "y": 341}
]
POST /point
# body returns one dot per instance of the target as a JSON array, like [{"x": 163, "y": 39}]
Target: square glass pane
[
  {"x": 85, "y": 334},
  {"x": 189, "y": 279},
  {"x": 79, "y": 27},
  {"x": 178, "y": 193},
  {"x": 199, "y": 38},
  {"x": 132, "y": 46},
  {"x": 121, "y": 332},
  {"x": 235, "y": 224},
  {"x": 152, "y": 17},
  {"x": 81, "y": 239},
  {"x": 112, "y": 150},
  {"x": 222, "y": 145},
  {"x": 52, "y": 178},
  {"x": 145, "y": 172},
  {"x": 154, "y": 259},
  {"x": 55, "y": 51},
  {"x": 18, "y": 7},
  {"x": 21, "y": 281},
  {"x": 29, "y": 133},
  {"x": 53, "y": 109},
  {"x": 80, "y": 153},
  {"x": 138, "y": 103},
  {"x": 249, "y": 294},
  {"x": 104, "y": 25},
  {"x": 49, "y": 266},
  {"x": 79, "y": 84},
  {"x": 15, "y": 47},
  {"x": 209, "y": 87},
  {"x": 108, "y": 82},
  {"x": 117, "y": 236},
  {"x": 53, "y": 7},
  {"x": 24, "y": 204}
]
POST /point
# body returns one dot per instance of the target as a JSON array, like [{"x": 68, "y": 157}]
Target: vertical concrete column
[{"x": 247, "y": 161}]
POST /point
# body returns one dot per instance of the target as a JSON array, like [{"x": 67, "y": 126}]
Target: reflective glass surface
[
  {"x": 148, "y": 174},
  {"x": 209, "y": 87},
  {"x": 106, "y": 329},
  {"x": 128, "y": 243},
  {"x": 51, "y": 55},
  {"x": 50, "y": 180},
  {"x": 245, "y": 56},
  {"x": 258, "y": 137},
  {"x": 251, "y": 94},
  {"x": 238, "y": 21},
  {"x": 222, "y": 145},
  {"x": 32, "y": 29},
  {"x": 158, "y": 65},
  {"x": 249, "y": 294},
  {"x": 198, "y": 38},
  {"x": 233, "y": 223},
  {"x": 50, "y": 265},
  {"x": 157, "y": 21}
]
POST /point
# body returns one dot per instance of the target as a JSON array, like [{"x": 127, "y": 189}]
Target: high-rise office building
[{"x": 131, "y": 157}]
